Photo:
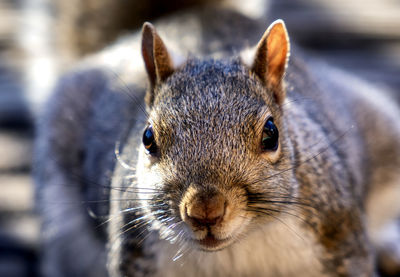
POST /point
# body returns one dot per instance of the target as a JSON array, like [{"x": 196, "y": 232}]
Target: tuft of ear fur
[
  {"x": 271, "y": 58},
  {"x": 156, "y": 58}
]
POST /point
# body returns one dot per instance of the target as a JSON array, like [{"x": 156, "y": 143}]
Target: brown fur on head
[{"x": 207, "y": 118}]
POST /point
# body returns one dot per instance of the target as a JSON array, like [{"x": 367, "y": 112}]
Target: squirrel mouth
[{"x": 210, "y": 243}]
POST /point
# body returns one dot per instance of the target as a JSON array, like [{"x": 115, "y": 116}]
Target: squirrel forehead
[
  {"x": 218, "y": 101},
  {"x": 212, "y": 86},
  {"x": 210, "y": 113}
]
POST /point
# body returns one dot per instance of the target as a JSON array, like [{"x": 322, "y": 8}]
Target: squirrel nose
[{"x": 206, "y": 210}]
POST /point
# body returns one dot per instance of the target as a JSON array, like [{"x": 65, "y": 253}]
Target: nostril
[
  {"x": 206, "y": 211},
  {"x": 206, "y": 221}
]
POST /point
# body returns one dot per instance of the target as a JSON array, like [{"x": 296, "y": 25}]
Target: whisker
[
  {"x": 145, "y": 237},
  {"x": 85, "y": 182},
  {"x": 310, "y": 158},
  {"x": 119, "y": 159},
  {"x": 290, "y": 102},
  {"x": 127, "y": 93},
  {"x": 173, "y": 239},
  {"x": 127, "y": 210},
  {"x": 179, "y": 254},
  {"x": 263, "y": 209},
  {"x": 121, "y": 239},
  {"x": 268, "y": 200},
  {"x": 284, "y": 223},
  {"x": 164, "y": 233}
]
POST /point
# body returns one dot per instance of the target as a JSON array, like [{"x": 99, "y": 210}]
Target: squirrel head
[{"x": 215, "y": 148}]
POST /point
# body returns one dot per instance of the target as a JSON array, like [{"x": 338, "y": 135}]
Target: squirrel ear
[
  {"x": 155, "y": 55},
  {"x": 271, "y": 58}
]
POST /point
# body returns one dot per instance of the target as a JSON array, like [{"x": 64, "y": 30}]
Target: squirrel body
[{"x": 198, "y": 194}]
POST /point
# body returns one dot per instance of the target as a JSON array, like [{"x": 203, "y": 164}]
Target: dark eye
[
  {"x": 270, "y": 139},
  {"x": 148, "y": 140}
]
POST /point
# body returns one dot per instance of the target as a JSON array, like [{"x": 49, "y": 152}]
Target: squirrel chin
[{"x": 212, "y": 244}]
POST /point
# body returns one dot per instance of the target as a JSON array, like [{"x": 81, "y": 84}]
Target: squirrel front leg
[{"x": 347, "y": 250}]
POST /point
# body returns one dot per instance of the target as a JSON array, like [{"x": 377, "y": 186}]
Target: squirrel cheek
[
  {"x": 145, "y": 170},
  {"x": 144, "y": 160},
  {"x": 147, "y": 160}
]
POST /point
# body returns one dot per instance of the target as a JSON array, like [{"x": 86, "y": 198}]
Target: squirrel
[{"x": 235, "y": 161}]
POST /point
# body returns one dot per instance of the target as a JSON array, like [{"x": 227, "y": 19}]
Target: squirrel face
[{"x": 215, "y": 150}]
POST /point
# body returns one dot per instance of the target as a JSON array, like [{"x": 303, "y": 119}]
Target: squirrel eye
[
  {"x": 149, "y": 141},
  {"x": 270, "y": 136}
]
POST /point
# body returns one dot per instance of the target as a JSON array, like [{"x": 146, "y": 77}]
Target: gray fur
[{"x": 339, "y": 141}]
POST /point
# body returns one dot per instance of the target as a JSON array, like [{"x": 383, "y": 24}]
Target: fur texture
[{"x": 306, "y": 208}]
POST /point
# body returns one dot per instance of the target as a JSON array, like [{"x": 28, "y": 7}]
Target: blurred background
[{"x": 39, "y": 39}]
